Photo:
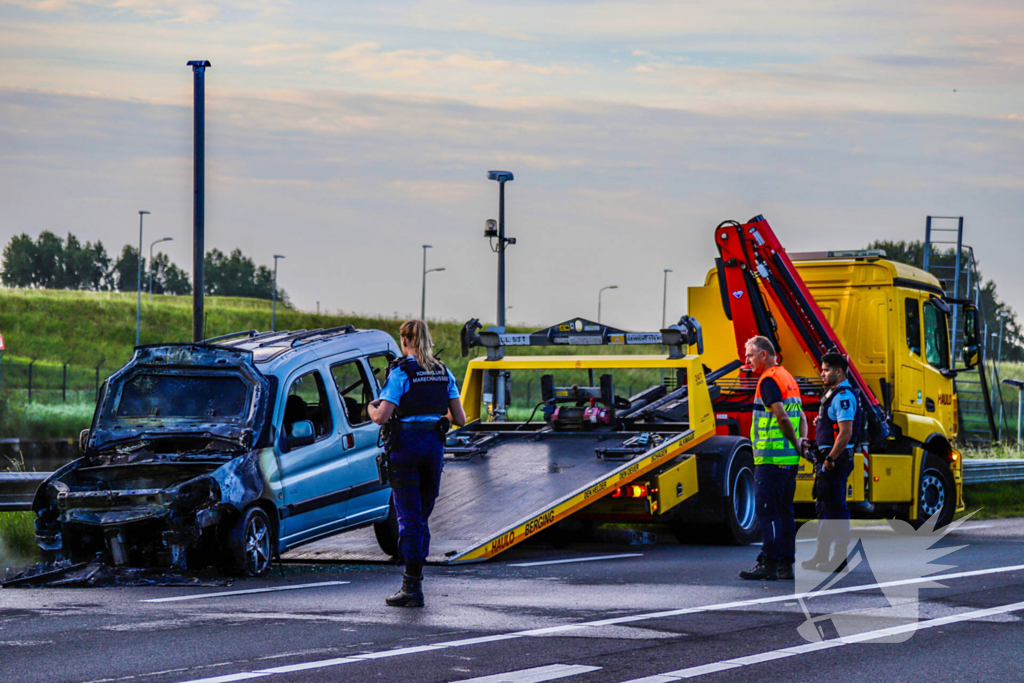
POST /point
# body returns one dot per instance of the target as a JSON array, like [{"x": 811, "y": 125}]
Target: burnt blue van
[{"x": 227, "y": 452}]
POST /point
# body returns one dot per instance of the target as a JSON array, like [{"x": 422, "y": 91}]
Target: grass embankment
[{"x": 17, "y": 539}]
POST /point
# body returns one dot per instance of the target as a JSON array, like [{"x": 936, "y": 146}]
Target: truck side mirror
[
  {"x": 970, "y": 354},
  {"x": 83, "y": 440}
]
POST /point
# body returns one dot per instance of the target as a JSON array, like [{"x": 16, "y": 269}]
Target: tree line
[
  {"x": 48, "y": 262},
  {"x": 996, "y": 312}
]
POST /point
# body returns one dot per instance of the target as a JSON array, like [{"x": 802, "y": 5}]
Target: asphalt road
[{"x": 676, "y": 611}]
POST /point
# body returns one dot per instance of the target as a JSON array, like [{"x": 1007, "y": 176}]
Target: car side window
[
  {"x": 354, "y": 389},
  {"x": 307, "y": 400},
  {"x": 913, "y": 308},
  {"x": 379, "y": 367}
]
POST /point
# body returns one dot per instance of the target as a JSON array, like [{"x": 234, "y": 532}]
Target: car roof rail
[
  {"x": 316, "y": 335},
  {"x": 232, "y": 335}
]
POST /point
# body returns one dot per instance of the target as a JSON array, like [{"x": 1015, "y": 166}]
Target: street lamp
[
  {"x": 138, "y": 305},
  {"x": 423, "y": 292},
  {"x": 599, "y": 293},
  {"x": 501, "y": 177},
  {"x": 273, "y": 309},
  {"x": 165, "y": 239}
]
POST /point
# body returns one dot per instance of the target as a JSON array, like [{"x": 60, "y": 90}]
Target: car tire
[
  {"x": 740, "y": 525},
  {"x": 250, "y": 543},
  {"x": 387, "y": 531}
]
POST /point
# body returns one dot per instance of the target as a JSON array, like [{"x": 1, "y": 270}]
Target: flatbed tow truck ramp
[{"x": 504, "y": 482}]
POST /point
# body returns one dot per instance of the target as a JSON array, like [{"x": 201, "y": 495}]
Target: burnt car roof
[{"x": 182, "y": 360}]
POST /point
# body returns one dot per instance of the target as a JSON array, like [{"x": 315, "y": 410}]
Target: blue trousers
[
  {"x": 774, "y": 489},
  {"x": 415, "y": 465},
  {"x": 830, "y": 501}
]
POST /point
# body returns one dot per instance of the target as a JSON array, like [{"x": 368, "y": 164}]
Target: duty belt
[{"x": 418, "y": 426}]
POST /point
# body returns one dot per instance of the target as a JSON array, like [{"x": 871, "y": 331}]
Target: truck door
[
  {"x": 355, "y": 389},
  {"x": 938, "y": 390},
  {"x": 910, "y": 381},
  {"x": 313, "y": 476}
]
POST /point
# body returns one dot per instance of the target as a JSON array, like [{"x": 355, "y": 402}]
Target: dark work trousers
[
  {"x": 830, "y": 501},
  {"x": 415, "y": 464},
  {"x": 774, "y": 489}
]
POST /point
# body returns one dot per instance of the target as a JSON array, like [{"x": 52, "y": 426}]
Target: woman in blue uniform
[{"x": 419, "y": 391}]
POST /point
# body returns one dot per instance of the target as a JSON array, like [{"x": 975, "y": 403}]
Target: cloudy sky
[{"x": 347, "y": 134}]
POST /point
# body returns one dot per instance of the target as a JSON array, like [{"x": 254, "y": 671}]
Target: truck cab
[{"x": 893, "y": 321}]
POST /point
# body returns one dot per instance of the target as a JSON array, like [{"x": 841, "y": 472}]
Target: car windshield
[{"x": 183, "y": 396}]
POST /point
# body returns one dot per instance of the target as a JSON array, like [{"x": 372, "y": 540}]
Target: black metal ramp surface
[{"x": 517, "y": 481}]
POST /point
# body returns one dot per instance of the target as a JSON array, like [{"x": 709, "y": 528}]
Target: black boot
[
  {"x": 820, "y": 556},
  {"x": 784, "y": 571},
  {"x": 411, "y": 592},
  {"x": 837, "y": 564},
  {"x": 764, "y": 570}
]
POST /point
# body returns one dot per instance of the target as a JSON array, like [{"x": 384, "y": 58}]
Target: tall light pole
[
  {"x": 138, "y": 306},
  {"x": 199, "y": 67},
  {"x": 165, "y": 239},
  {"x": 999, "y": 359},
  {"x": 501, "y": 177},
  {"x": 599, "y": 293},
  {"x": 423, "y": 293},
  {"x": 273, "y": 309}
]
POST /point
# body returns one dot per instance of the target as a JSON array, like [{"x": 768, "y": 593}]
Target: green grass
[
  {"x": 996, "y": 500},
  {"x": 17, "y": 539},
  {"x": 43, "y": 421}
]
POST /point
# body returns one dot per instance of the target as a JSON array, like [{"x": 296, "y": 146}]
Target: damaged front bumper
[{"x": 168, "y": 514}]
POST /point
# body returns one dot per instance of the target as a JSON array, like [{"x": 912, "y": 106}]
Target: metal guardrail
[
  {"x": 18, "y": 488},
  {"x": 992, "y": 471}
]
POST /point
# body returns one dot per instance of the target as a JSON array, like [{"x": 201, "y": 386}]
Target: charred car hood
[{"x": 153, "y": 368}]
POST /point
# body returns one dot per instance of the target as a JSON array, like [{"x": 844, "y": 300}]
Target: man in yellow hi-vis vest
[{"x": 777, "y": 432}]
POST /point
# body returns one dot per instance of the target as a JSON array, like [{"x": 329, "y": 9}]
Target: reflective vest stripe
[{"x": 771, "y": 447}]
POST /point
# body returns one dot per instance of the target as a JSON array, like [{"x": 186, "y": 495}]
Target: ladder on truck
[{"x": 957, "y": 270}]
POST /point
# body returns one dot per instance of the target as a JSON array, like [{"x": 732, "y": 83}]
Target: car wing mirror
[
  {"x": 83, "y": 440},
  {"x": 302, "y": 434}
]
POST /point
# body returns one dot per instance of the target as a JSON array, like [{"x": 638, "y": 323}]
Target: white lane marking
[
  {"x": 535, "y": 675},
  {"x": 292, "y": 668},
  {"x": 250, "y": 591},
  {"x": 577, "y": 559},
  {"x": 639, "y": 617},
  {"x": 229, "y": 678},
  {"x": 694, "y": 671}
]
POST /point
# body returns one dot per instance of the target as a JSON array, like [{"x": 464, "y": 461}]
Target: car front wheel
[{"x": 250, "y": 543}]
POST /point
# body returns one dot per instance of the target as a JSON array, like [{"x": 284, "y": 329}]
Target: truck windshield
[
  {"x": 183, "y": 396},
  {"x": 936, "y": 337}
]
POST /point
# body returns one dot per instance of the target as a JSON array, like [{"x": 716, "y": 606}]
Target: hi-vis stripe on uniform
[
  {"x": 771, "y": 447},
  {"x": 702, "y": 423}
]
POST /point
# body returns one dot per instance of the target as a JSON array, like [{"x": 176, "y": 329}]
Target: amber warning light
[{"x": 630, "y": 491}]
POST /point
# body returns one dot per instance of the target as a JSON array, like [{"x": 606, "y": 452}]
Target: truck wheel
[
  {"x": 936, "y": 493},
  {"x": 740, "y": 525},
  {"x": 250, "y": 543},
  {"x": 387, "y": 531}
]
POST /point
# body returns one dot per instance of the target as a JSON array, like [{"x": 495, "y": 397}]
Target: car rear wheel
[
  {"x": 387, "y": 531},
  {"x": 250, "y": 543}
]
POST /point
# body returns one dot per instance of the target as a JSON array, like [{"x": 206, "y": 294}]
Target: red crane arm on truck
[{"x": 752, "y": 260}]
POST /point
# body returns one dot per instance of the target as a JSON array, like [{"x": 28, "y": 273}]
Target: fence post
[
  {"x": 529, "y": 392},
  {"x": 64, "y": 385},
  {"x": 33, "y": 362}
]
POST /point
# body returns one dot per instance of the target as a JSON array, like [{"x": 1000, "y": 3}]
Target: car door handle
[{"x": 348, "y": 441}]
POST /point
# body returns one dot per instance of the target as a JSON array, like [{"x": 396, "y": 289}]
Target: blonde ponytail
[{"x": 418, "y": 336}]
